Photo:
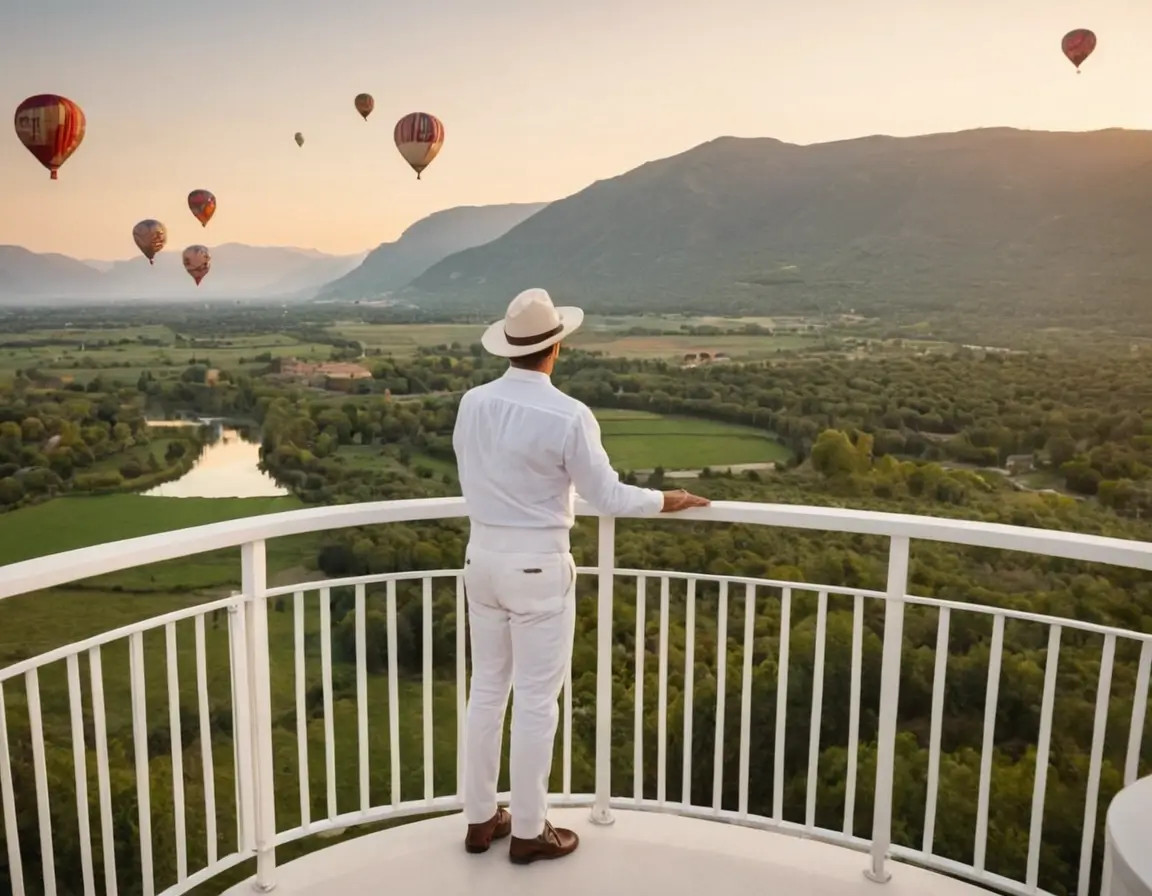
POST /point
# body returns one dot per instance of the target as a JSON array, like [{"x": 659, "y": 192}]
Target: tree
[
  {"x": 834, "y": 455},
  {"x": 1061, "y": 448}
]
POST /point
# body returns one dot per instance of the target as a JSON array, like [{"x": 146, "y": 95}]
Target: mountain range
[
  {"x": 987, "y": 219},
  {"x": 260, "y": 272},
  {"x": 238, "y": 272}
]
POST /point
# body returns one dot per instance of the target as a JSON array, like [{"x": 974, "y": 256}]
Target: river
[{"x": 229, "y": 467}]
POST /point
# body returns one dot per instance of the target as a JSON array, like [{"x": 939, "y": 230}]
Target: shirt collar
[{"x": 526, "y": 376}]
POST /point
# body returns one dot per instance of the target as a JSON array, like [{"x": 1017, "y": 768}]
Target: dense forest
[{"x": 920, "y": 435}]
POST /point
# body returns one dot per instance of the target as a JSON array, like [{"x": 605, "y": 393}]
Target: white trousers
[{"x": 521, "y": 618}]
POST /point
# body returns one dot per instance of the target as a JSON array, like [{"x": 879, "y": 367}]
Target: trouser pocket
[{"x": 534, "y": 583}]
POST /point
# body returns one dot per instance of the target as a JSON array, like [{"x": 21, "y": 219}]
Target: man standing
[{"x": 522, "y": 446}]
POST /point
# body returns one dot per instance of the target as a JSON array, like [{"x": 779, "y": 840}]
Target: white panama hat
[{"x": 531, "y": 324}]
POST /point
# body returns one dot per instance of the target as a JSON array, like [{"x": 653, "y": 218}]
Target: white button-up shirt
[{"x": 523, "y": 448}]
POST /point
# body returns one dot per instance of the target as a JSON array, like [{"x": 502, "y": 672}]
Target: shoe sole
[{"x": 538, "y": 857}]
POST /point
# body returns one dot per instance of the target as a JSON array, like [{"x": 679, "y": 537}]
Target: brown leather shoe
[
  {"x": 480, "y": 836},
  {"x": 554, "y": 843}
]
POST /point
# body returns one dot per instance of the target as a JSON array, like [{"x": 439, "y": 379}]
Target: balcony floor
[{"x": 641, "y": 852}]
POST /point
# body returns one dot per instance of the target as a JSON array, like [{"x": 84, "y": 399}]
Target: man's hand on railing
[{"x": 678, "y": 500}]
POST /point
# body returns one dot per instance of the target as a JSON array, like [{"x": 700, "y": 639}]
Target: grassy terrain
[
  {"x": 138, "y": 453},
  {"x": 141, "y": 592},
  {"x": 76, "y": 522},
  {"x": 634, "y": 440},
  {"x": 126, "y": 361},
  {"x": 376, "y": 459},
  {"x": 640, "y": 441},
  {"x": 603, "y": 334}
]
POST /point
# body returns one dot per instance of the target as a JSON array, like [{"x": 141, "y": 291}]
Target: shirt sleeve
[{"x": 596, "y": 482}]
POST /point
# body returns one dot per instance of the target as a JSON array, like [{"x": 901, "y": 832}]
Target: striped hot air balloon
[
  {"x": 197, "y": 262},
  {"x": 150, "y": 236},
  {"x": 51, "y": 127},
  {"x": 202, "y": 204},
  {"x": 419, "y": 137},
  {"x": 365, "y": 104}
]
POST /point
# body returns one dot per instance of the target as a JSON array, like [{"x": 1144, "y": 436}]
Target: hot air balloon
[
  {"x": 1078, "y": 46},
  {"x": 299, "y": 139},
  {"x": 51, "y": 127},
  {"x": 203, "y": 205},
  {"x": 419, "y": 137},
  {"x": 150, "y": 236},
  {"x": 197, "y": 262},
  {"x": 365, "y": 104}
]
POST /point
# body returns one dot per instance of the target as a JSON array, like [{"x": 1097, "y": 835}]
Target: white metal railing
[{"x": 196, "y": 815}]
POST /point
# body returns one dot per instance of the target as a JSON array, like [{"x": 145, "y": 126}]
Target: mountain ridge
[
  {"x": 755, "y": 225},
  {"x": 239, "y": 271}
]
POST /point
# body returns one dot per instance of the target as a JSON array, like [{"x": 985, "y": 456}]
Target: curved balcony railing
[{"x": 217, "y": 782}]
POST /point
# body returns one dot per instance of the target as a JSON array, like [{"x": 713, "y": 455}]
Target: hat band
[{"x": 532, "y": 340}]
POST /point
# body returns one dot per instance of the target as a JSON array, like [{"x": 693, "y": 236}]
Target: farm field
[
  {"x": 125, "y": 355},
  {"x": 608, "y": 335},
  {"x": 636, "y": 440}
]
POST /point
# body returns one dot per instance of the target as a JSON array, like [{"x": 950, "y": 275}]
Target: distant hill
[
  {"x": 993, "y": 219},
  {"x": 25, "y": 274},
  {"x": 391, "y": 266},
  {"x": 238, "y": 272}
]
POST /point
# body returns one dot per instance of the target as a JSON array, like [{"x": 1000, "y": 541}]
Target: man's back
[
  {"x": 509, "y": 440},
  {"x": 522, "y": 444}
]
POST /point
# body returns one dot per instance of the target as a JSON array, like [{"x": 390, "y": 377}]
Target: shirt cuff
[{"x": 654, "y": 501}]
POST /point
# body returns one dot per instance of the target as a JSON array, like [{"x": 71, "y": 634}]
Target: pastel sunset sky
[{"x": 538, "y": 99}]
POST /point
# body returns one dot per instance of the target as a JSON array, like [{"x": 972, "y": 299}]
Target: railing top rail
[{"x": 71, "y": 566}]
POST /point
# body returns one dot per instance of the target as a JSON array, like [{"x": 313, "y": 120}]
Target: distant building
[
  {"x": 1020, "y": 463},
  {"x": 323, "y": 375}
]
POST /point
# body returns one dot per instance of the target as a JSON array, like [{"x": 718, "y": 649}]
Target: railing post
[
  {"x": 254, "y": 578},
  {"x": 889, "y": 703},
  {"x": 606, "y": 576}
]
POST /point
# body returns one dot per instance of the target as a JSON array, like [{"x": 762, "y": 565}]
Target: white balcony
[{"x": 268, "y": 777}]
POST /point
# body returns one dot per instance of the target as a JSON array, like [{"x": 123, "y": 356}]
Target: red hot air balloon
[
  {"x": 419, "y": 137},
  {"x": 202, "y": 205},
  {"x": 1078, "y": 46},
  {"x": 51, "y": 128},
  {"x": 365, "y": 104}
]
